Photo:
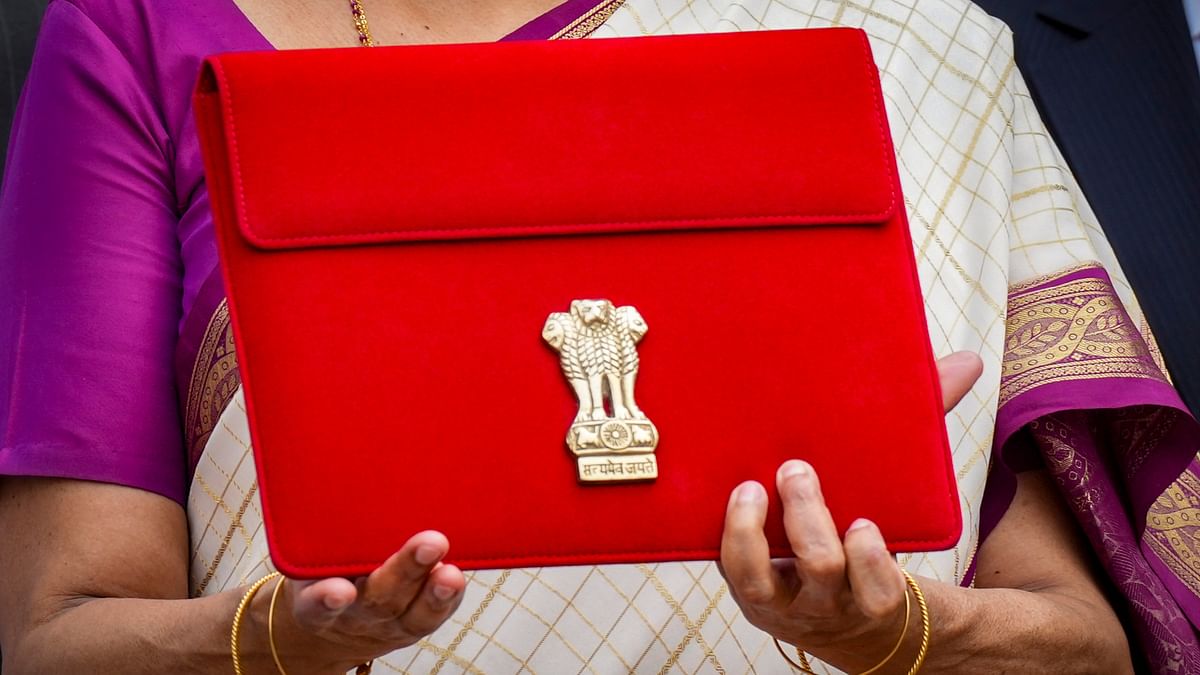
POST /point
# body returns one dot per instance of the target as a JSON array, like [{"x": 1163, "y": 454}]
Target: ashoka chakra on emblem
[{"x": 615, "y": 435}]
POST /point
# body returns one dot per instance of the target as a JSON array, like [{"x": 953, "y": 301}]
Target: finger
[
  {"x": 875, "y": 579},
  {"x": 745, "y": 554},
  {"x": 317, "y": 604},
  {"x": 438, "y": 599},
  {"x": 390, "y": 589},
  {"x": 820, "y": 563},
  {"x": 958, "y": 373}
]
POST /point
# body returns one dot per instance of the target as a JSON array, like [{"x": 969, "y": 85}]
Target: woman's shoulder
[
  {"x": 159, "y": 34},
  {"x": 157, "y": 46},
  {"x": 128, "y": 24},
  {"x": 133, "y": 16},
  {"x": 100, "y": 11}
]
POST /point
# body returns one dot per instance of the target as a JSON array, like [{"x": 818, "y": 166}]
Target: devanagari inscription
[{"x": 611, "y": 468}]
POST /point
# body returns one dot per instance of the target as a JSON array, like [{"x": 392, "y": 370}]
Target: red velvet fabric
[{"x": 396, "y": 224}]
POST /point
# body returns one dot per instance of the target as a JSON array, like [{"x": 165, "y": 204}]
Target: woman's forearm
[
  {"x": 84, "y": 590},
  {"x": 997, "y": 630},
  {"x": 1002, "y": 630},
  {"x": 135, "y": 636}
]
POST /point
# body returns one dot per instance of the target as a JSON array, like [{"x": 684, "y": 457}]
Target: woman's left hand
[{"x": 839, "y": 597}]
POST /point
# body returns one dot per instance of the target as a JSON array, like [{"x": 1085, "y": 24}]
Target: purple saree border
[
  {"x": 194, "y": 327},
  {"x": 1073, "y": 445},
  {"x": 554, "y": 21},
  {"x": 206, "y": 370},
  {"x": 1172, "y": 455},
  {"x": 1082, "y": 395},
  {"x": 1142, "y": 385},
  {"x": 1188, "y": 595}
]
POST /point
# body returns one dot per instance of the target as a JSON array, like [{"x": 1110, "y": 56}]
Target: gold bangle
[
  {"x": 237, "y": 620},
  {"x": 271, "y": 625},
  {"x": 360, "y": 669},
  {"x": 805, "y": 667},
  {"x": 925, "y": 626},
  {"x": 903, "y": 630}
]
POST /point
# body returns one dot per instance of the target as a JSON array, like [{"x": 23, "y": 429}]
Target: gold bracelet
[
  {"x": 271, "y": 625},
  {"x": 903, "y": 630},
  {"x": 805, "y": 667},
  {"x": 925, "y": 625},
  {"x": 237, "y": 620}
]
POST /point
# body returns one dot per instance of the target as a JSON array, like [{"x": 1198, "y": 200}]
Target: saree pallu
[{"x": 1013, "y": 266}]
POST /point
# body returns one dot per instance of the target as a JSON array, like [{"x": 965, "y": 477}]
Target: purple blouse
[{"x": 106, "y": 236}]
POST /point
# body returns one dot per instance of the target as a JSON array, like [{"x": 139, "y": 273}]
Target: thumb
[{"x": 958, "y": 373}]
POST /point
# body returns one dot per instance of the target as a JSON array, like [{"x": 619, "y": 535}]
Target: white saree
[{"x": 991, "y": 205}]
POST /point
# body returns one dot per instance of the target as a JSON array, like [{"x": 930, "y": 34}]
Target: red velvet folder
[{"x": 397, "y": 225}]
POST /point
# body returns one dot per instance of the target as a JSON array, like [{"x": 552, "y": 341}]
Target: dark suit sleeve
[{"x": 19, "y": 23}]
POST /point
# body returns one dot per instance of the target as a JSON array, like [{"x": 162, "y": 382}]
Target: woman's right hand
[{"x": 335, "y": 624}]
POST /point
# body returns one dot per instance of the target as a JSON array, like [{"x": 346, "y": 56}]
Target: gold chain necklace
[
  {"x": 580, "y": 28},
  {"x": 360, "y": 22}
]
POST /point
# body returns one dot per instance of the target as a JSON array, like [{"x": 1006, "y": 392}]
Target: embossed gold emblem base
[
  {"x": 611, "y": 450},
  {"x": 611, "y": 437}
]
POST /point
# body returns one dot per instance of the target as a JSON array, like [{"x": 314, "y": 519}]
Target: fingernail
[
  {"x": 336, "y": 602},
  {"x": 443, "y": 593},
  {"x": 860, "y": 524},
  {"x": 795, "y": 467},
  {"x": 427, "y": 555},
  {"x": 749, "y": 492}
]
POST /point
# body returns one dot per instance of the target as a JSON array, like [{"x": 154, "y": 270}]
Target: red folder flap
[
  {"x": 396, "y": 226},
  {"x": 490, "y": 165}
]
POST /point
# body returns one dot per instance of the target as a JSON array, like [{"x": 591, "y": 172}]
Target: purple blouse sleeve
[{"x": 89, "y": 270}]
